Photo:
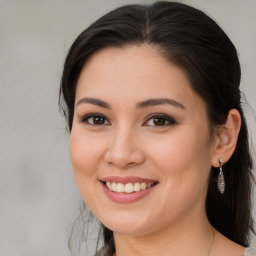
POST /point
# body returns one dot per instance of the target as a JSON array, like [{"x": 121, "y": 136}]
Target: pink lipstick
[{"x": 127, "y": 189}]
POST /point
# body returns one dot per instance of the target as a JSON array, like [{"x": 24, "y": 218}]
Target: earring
[{"x": 221, "y": 180}]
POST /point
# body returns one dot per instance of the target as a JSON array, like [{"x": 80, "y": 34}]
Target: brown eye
[
  {"x": 95, "y": 119},
  {"x": 158, "y": 121},
  {"x": 98, "y": 120}
]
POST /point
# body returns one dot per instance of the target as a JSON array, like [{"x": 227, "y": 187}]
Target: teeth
[
  {"x": 143, "y": 186},
  {"x": 136, "y": 187},
  {"x": 114, "y": 187},
  {"x": 120, "y": 188},
  {"x": 128, "y": 188},
  {"x": 109, "y": 185}
]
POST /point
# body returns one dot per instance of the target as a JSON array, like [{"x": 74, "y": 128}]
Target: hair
[{"x": 195, "y": 43}]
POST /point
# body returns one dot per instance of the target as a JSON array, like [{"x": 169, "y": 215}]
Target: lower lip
[{"x": 126, "y": 197}]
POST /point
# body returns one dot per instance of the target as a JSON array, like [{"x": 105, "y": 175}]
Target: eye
[
  {"x": 95, "y": 119},
  {"x": 159, "y": 120}
]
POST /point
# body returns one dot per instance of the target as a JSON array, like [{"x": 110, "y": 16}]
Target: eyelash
[
  {"x": 86, "y": 118},
  {"x": 164, "y": 117}
]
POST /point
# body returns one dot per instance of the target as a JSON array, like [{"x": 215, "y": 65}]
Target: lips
[{"x": 127, "y": 189}]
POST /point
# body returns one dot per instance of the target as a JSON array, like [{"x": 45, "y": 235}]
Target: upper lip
[{"x": 128, "y": 179}]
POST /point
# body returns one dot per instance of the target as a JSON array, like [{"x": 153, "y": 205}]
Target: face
[{"x": 140, "y": 143}]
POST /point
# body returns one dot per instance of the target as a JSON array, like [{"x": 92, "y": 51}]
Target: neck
[{"x": 191, "y": 237}]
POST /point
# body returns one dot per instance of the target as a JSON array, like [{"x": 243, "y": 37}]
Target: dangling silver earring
[{"x": 221, "y": 180}]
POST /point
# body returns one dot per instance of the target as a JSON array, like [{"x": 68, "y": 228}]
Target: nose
[{"x": 124, "y": 150}]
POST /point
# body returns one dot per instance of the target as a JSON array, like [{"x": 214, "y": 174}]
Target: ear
[{"x": 225, "y": 138}]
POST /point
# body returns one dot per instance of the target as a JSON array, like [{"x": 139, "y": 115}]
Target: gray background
[{"x": 38, "y": 195}]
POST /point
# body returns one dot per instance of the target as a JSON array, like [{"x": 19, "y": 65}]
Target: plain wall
[{"x": 38, "y": 195}]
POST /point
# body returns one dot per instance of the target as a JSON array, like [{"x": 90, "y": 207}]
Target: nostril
[{"x": 124, "y": 161}]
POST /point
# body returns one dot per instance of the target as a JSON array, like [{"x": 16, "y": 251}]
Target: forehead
[{"x": 134, "y": 72}]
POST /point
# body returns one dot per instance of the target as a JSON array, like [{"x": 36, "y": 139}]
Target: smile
[{"x": 128, "y": 187}]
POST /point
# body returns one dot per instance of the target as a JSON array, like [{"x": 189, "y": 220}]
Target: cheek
[
  {"x": 85, "y": 152},
  {"x": 184, "y": 164},
  {"x": 184, "y": 157}
]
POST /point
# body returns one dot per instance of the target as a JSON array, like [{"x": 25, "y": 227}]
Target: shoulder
[{"x": 249, "y": 252}]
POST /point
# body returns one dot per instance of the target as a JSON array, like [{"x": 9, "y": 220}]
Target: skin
[{"x": 178, "y": 154}]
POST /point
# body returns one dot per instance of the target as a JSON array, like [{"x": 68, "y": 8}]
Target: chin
[
  {"x": 127, "y": 223},
  {"x": 128, "y": 228}
]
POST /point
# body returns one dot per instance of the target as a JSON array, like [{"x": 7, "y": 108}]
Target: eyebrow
[
  {"x": 143, "y": 104},
  {"x": 94, "y": 101},
  {"x": 155, "y": 102}
]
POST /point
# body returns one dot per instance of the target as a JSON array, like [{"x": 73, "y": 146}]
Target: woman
[{"x": 158, "y": 142}]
